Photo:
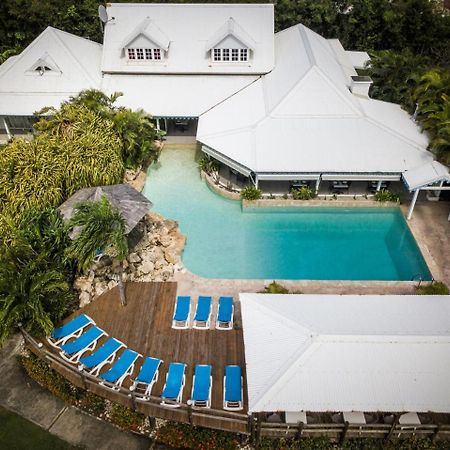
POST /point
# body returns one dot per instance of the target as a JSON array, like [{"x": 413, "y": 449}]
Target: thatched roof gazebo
[{"x": 131, "y": 203}]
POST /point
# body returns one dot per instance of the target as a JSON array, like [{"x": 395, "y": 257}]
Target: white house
[
  {"x": 363, "y": 353},
  {"x": 284, "y": 106}
]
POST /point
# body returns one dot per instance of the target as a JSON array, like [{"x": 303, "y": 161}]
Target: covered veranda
[{"x": 433, "y": 177}]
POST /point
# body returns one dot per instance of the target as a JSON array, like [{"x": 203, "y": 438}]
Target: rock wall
[{"x": 156, "y": 257}]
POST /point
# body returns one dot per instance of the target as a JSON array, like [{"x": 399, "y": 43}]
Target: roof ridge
[
  {"x": 88, "y": 75},
  {"x": 26, "y": 50},
  {"x": 394, "y": 133}
]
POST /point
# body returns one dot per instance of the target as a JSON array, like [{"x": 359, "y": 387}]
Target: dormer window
[
  {"x": 230, "y": 54},
  {"x": 146, "y": 43},
  {"x": 231, "y": 43},
  {"x": 142, "y": 54}
]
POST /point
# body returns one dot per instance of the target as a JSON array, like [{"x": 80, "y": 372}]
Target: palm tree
[
  {"x": 101, "y": 228},
  {"x": 34, "y": 277}
]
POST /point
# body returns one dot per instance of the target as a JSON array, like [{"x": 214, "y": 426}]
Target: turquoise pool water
[{"x": 223, "y": 241}]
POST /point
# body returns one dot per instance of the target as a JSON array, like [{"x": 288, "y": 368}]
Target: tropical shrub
[
  {"x": 135, "y": 129},
  {"x": 435, "y": 288},
  {"x": 102, "y": 228},
  {"x": 34, "y": 277},
  {"x": 385, "y": 195},
  {"x": 251, "y": 193},
  {"x": 40, "y": 371},
  {"x": 75, "y": 148},
  {"x": 180, "y": 435},
  {"x": 275, "y": 288},
  {"x": 208, "y": 165},
  {"x": 86, "y": 143},
  {"x": 303, "y": 193},
  {"x": 126, "y": 418}
]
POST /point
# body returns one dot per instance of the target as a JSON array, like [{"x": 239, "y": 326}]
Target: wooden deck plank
[{"x": 145, "y": 325}]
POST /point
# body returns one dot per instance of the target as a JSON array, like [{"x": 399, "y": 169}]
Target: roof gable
[
  {"x": 231, "y": 28},
  {"x": 149, "y": 30},
  {"x": 314, "y": 96}
]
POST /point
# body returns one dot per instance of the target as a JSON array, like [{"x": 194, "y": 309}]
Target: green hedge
[
  {"x": 197, "y": 438},
  {"x": 40, "y": 371}
]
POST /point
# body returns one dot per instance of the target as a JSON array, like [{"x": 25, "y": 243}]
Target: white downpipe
[
  {"x": 413, "y": 203},
  {"x": 379, "y": 185},
  {"x": 317, "y": 185}
]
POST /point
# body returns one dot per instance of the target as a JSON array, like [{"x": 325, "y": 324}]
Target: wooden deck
[{"x": 144, "y": 325}]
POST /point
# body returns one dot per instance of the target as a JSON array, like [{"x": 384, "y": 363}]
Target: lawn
[{"x": 17, "y": 433}]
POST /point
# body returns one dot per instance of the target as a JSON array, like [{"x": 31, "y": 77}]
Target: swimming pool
[{"x": 224, "y": 241}]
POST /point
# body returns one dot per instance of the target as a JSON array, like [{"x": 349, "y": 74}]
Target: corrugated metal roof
[
  {"x": 304, "y": 109},
  {"x": 77, "y": 60},
  {"x": 344, "y": 353},
  {"x": 430, "y": 173},
  {"x": 189, "y": 27}
]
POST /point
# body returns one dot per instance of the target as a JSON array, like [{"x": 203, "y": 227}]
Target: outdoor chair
[
  {"x": 148, "y": 376},
  {"x": 180, "y": 319},
  {"x": 102, "y": 356},
  {"x": 202, "y": 318},
  {"x": 124, "y": 366},
  {"x": 232, "y": 388},
  {"x": 225, "y": 314},
  {"x": 69, "y": 330},
  {"x": 87, "y": 341},
  {"x": 202, "y": 386},
  {"x": 173, "y": 389}
]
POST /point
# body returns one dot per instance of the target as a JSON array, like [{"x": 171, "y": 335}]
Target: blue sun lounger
[
  {"x": 173, "y": 389},
  {"x": 69, "y": 330},
  {"x": 202, "y": 316},
  {"x": 74, "y": 350},
  {"x": 225, "y": 314},
  {"x": 182, "y": 310},
  {"x": 201, "y": 386},
  {"x": 232, "y": 388},
  {"x": 124, "y": 366},
  {"x": 148, "y": 376},
  {"x": 103, "y": 355}
]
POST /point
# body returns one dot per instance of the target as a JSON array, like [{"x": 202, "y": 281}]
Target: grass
[{"x": 17, "y": 433}]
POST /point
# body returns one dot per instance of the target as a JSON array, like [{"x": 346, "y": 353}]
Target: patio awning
[
  {"x": 228, "y": 161},
  {"x": 287, "y": 176},
  {"x": 361, "y": 177},
  {"x": 430, "y": 173}
]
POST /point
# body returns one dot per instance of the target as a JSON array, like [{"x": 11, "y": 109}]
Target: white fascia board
[{"x": 225, "y": 160}]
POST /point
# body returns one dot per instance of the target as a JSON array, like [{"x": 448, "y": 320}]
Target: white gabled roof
[
  {"x": 151, "y": 31},
  {"x": 189, "y": 27},
  {"x": 347, "y": 353},
  {"x": 430, "y": 173},
  {"x": 302, "y": 117},
  {"x": 75, "y": 64},
  {"x": 231, "y": 28}
]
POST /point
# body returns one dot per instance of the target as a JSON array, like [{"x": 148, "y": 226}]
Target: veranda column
[
  {"x": 413, "y": 203},
  {"x": 317, "y": 185},
  {"x": 379, "y": 185},
  {"x": 7, "y": 128},
  {"x": 157, "y": 124}
]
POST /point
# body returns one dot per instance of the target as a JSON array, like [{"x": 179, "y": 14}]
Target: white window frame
[
  {"x": 144, "y": 54},
  {"x": 230, "y": 55}
]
